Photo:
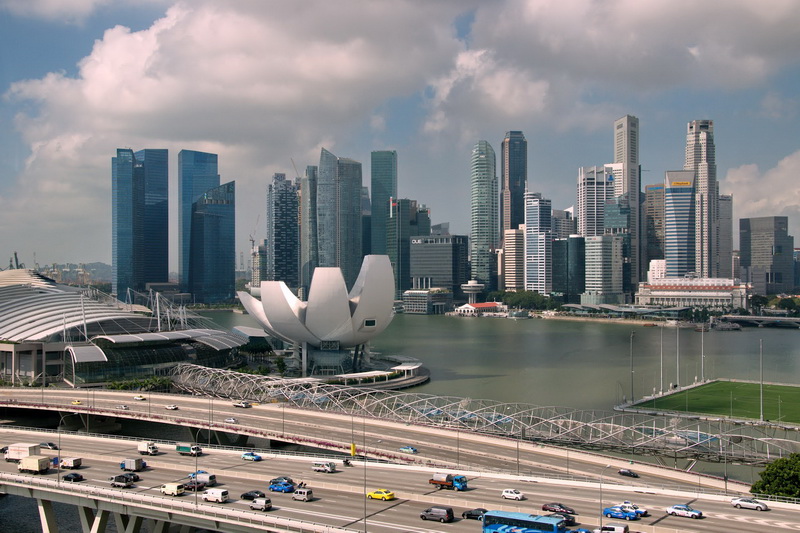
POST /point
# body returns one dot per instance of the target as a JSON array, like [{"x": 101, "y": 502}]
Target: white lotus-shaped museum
[{"x": 330, "y": 316}]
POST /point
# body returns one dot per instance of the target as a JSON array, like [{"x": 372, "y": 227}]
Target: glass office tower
[
  {"x": 197, "y": 173},
  {"x": 384, "y": 186},
  {"x": 212, "y": 263}
]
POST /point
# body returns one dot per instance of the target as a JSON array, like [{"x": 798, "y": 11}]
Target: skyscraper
[
  {"x": 513, "y": 179},
  {"x": 603, "y": 270},
  {"x": 338, "y": 202},
  {"x": 283, "y": 233},
  {"x": 309, "y": 255},
  {"x": 654, "y": 222},
  {"x": 383, "y": 185},
  {"x": 569, "y": 268},
  {"x": 679, "y": 223},
  {"x": 440, "y": 261},
  {"x": 140, "y": 219},
  {"x": 701, "y": 159},
  {"x": 406, "y": 220},
  {"x": 595, "y": 188},
  {"x": 484, "y": 214},
  {"x": 197, "y": 173},
  {"x": 627, "y": 181},
  {"x": 767, "y": 254},
  {"x": 212, "y": 261},
  {"x": 514, "y": 259},
  {"x": 538, "y": 244},
  {"x": 725, "y": 212}
]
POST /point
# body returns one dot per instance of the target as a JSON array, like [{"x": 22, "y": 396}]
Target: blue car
[
  {"x": 408, "y": 449},
  {"x": 250, "y": 456},
  {"x": 620, "y": 513},
  {"x": 281, "y": 487}
]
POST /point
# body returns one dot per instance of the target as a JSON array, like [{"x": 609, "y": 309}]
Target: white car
[
  {"x": 171, "y": 407},
  {"x": 633, "y": 508},
  {"x": 684, "y": 510},
  {"x": 512, "y": 494},
  {"x": 123, "y": 407},
  {"x": 231, "y": 420},
  {"x": 749, "y": 503},
  {"x": 139, "y": 398}
]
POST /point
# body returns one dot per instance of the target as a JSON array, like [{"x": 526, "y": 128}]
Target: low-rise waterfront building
[
  {"x": 434, "y": 301},
  {"x": 711, "y": 293}
]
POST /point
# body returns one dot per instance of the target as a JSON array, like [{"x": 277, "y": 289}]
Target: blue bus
[{"x": 508, "y": 522}]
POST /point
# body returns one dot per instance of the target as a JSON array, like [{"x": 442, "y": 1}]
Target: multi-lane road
[{"x": 491, "y": 467}]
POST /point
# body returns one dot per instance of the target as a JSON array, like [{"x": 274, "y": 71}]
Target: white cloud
[{"x": 773, "y": 192}]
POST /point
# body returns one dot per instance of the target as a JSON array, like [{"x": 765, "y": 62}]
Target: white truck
[
  {"x": 71, "y": 462},
  {"x": 147, "y": 448},
  {"x": 15, "y": 452},
  {"x": 34, "y": 464}
]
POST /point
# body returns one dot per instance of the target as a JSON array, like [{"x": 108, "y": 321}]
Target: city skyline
[{"x": 429, "y": 81}]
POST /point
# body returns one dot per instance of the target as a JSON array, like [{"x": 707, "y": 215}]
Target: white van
[
  {"x": 215, "y": 495},
  {"x": 172, "y": 489},
  {"x": 303, "y": 495},
  {"x": 323, "y": 467},
  {"x": 613, "y": 528}
]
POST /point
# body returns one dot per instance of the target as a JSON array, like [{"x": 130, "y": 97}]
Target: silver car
[{"x": 749, "y": 503}]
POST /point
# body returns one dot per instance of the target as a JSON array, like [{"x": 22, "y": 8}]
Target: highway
[{"x": 340, "y": 496}]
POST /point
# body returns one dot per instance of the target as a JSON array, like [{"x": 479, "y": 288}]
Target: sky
[{"x": 267, "y": 83}]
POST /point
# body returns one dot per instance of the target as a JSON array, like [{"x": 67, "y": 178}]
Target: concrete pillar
[
  {"x": 46, "y": 516},
  {"x": 127, "y": 523}
]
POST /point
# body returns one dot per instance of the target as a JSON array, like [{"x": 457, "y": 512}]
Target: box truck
[
  {"x": 184, "y": 448},
  {"x": 71, "y": 462},
  {"x": 147, "y": 448},
  {"x": 132, "y": 465},
  {"x": 34, "y": 464},
  {"x": 15, "y": 452}
]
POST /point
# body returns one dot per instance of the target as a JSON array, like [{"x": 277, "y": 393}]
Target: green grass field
[{"x": 734, "y": 399}]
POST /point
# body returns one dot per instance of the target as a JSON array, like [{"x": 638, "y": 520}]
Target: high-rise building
[
  {"x": 212, "y": 263},
  {"x": 679, "y": 223},
  {"x": 654, "y": 222},
  {"x": 258, "y": 256},
  {"x": 538, "y": 244},
  {"x": 197, "y": 174},
  {"x": 701, "y": 159},
  {"x": 569, "y": 268},
  {"x": 513, "y": 179},
  {"x": 627, "y": 181},
  {"x": 767, "y": 254},
  {"x": 617, "y": 220},
  {"x": 140, "y": 219},
  {"x": 485, "y": 237},
  {"x": 440, "y": 261},
  {"x": 309, "y": 254},
  {"x": 514, "y": 259},
  {"x": 338, "y": 202},
  {"x": 595, "y": 188},
  {"x": 603, "y": 270},
  {"x": 383, "y": 185},
  {"x": 725, "y": 232},
  {"x": 283, "y": 232},
  {"x": 406, "y": 220},
  {"x": 366, "y": 222},
  {"x": 564, "y": 224}
]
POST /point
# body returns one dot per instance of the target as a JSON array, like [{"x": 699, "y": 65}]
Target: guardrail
[{"x": 177, "y": 507}]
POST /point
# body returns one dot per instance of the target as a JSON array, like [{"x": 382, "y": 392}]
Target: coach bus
[{"x": 508, "y": 522}]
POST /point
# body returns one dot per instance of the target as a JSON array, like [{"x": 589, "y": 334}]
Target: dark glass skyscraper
[
  {"x": 767, "y": 254},
  {"x": 406, "y": 220},
  {"x": 338, "y": 205},
  {"x": 197, "y": 173},
  {"x": 283, "y": 234},
  {"x": 309, "y": 253},
  {"x": 513, "y": 180},
  {"x": 384, "y": 186},
  {"x": 139, "y": 219},
  {"x": 212, "y": 262}
]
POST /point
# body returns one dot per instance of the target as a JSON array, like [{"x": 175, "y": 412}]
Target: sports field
[{"x": 734, "y": 399}]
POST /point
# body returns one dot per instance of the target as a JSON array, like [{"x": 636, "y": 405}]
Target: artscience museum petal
[{"x": 331, "y": 318}]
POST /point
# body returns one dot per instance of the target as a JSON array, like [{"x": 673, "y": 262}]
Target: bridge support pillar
[
  {"x": 46, "y": 516},
  {"x": 91, "y": 522},
  {"x": 127, "y": 524}
]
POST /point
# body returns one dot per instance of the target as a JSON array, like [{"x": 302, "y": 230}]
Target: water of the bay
[{"x": 578, "y": 364}]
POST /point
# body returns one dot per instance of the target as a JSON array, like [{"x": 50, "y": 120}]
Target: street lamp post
[
  {"x": 601, "y": 494},
  {"x": 196, "y": 455},
  {"x": 631, "y": 354}
]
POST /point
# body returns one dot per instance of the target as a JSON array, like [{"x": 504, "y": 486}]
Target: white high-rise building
[
  {"x": 514, "y": 259},
  {"x": 701, "y": 159},
  {"x": 485, "y": 237},
  {"x": 627, "y": 181},
  {"x": 603, "y": 270},
  {"x": 538, "y": 244},
  {"x": 595, "y": 188}
]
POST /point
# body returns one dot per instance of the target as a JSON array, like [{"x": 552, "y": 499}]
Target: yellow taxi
[
  {"x": 381, "y": 494},
  {"x": 76, "y": 402}
]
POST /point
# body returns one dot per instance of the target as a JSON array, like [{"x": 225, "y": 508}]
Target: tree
[
  {"x": 758, "y": 302},
  {"x": 780, "y": 478},
  {"x": 788, "y": 304}
]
